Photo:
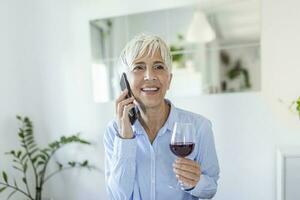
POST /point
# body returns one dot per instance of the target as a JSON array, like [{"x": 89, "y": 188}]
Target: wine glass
[{"x": 183, "y": 140}]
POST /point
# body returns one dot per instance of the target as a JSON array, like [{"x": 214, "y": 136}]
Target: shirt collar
[
  {"x": 169, "y": 124},
  {"x": 172, "y": 116}
]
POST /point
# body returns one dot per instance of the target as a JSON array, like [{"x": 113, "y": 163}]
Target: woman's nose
[{"x": 149, "y": 75}]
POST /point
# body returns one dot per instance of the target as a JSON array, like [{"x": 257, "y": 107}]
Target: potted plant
[{"x": 38, "y": 159}]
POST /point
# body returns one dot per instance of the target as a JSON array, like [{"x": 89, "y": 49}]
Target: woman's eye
[
  {"x": 159, "y": 67},
  {"x": 138, "y": 67}
]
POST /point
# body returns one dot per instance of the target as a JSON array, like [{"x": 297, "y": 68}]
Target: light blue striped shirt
[{"x": 138, "y": 170}]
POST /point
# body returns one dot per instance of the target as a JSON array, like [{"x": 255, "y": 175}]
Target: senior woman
[{"x": 139, "y": 164}]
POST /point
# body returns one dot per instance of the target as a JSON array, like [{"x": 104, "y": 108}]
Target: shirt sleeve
[
  {"x": 207, "y": 158},
  {"x": 120, "y": 164}
]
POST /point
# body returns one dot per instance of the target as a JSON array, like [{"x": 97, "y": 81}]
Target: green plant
[
  {"x": 30, "y": 155},
  {"x": 239, "y": 70},
  {"x": 177, "y": 51},
  {"x": 296, "y": 105}
]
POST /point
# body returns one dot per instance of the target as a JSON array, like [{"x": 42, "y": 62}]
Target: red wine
[{"x": 182, "y": 149}]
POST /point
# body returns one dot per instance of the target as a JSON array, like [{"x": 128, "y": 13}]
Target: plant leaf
[
  {"x": 33, "y": 151},
  {"x": 16, "y": 161},
  {"x": 28, "y": 130},
  {"x": 29, "y": 138},
  {"x": 4, "y": 175},
  {"x": 17, "y": 168},
  {"x": 40, "y": 163},
  {"x": 34, "y": 159},
  {"x": 2, "y": 189},
  {"x": 23, "y": 157},
  {"x": 19, "y": 154},
  {"x": 24, "y": 180},
  {"x": 25, "y": 167},
  {"x": 21, "y": 135},
  {"x": 45, "y": 154},
  {"x": 26, "y": 161},
  {"x": 31, "y": 144},
  {"x": 43, "y": 157},
  {"x": 26, "y": 119},
  {"x": 72, "y": 164},
  {"x": 60, "y": 166},
  {"x": 85, "y": 163},
  {"x": 47, "y": 149}
]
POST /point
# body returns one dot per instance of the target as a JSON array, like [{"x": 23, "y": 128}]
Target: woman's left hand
[{"x": 187, "y": 171}]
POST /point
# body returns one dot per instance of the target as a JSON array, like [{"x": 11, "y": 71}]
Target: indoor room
[{"x": 230, "y": 66}]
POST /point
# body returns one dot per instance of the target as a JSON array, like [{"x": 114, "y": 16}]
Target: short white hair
[{"x": 145, "y": 44}]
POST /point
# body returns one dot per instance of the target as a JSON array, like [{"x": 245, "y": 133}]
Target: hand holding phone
[{"x": 132, "y": 114}]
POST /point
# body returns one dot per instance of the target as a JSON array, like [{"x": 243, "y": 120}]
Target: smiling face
[{"x": 150, "y": 79}]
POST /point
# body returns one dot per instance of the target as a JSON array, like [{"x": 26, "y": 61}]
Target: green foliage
[
  {"x": 2, "y": 189},
  {"x": 177, "y": 51},
  {"x": 4, "y": 177},
  {"x": 239, "y": 70},
  {"x": 296, "y": 105},
  {"x": 178, "y": 56},
  {"x": 30, "y": 155}
]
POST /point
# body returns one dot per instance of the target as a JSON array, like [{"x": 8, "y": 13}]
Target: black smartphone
[{"x": 125, "y": 84}]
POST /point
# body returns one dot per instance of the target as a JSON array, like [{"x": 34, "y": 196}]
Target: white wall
[
  {"x": 280, "y": 57},
  {"x": 45, "y": 73},
  {"x": 19, "y": 75}
]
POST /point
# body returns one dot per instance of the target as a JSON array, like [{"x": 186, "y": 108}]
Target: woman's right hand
[{"x": 123, "y": 105}]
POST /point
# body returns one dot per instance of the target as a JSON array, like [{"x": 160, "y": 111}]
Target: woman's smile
[{"x": 149, "y": 90}]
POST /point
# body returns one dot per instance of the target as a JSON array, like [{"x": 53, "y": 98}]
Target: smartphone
[{"x": 125, "y": 84}]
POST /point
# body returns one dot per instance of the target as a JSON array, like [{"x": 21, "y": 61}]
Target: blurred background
[{"x": 235, "y": 62}]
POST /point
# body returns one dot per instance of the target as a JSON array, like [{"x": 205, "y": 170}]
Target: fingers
[
  {"x": 188, "y": 175},
  {"x": 120, "y": 106},
  {"x": 186, "y": 181},
  {"x": 123, "y": 105},
  {"x": 187, "y": 162},
  {"x": 121, "y": 97},
  {"x": 127, "y": 108},
  {"x": 187, "y": 165},
  {"x": 187, "y": 171}
]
